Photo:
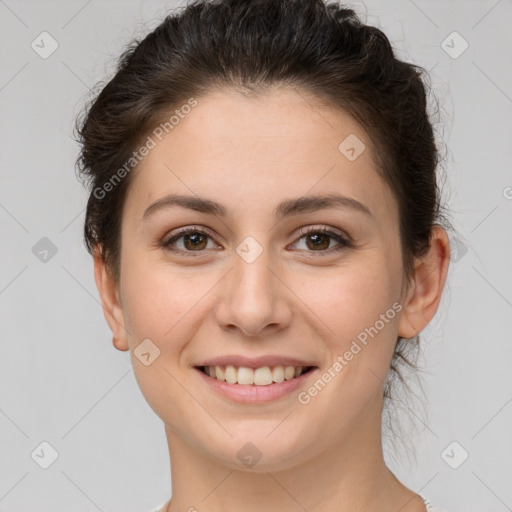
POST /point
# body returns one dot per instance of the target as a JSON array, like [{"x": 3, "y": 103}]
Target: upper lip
[{"x": 255, "y": 362}]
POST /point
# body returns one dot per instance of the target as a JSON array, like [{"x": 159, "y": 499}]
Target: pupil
[
  {"x": 317, "y": 241},
  {"x": 194, "y": 239}
]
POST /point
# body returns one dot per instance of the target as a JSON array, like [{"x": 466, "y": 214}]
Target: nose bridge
[
  {"x": 253, "y": 277},
  {"x": 253, "y": 300},
  {"x": 253, "y": 282}
]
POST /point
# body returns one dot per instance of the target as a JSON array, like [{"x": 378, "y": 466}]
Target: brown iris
[
  {"x": 321, "y": 241},
  {"x": 195, "y": 241}
]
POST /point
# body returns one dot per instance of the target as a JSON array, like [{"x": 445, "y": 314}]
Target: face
[{"x": 271, "y": 275}]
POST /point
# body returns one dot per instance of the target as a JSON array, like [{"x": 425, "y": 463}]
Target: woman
[{"x": 268, "y": 243}]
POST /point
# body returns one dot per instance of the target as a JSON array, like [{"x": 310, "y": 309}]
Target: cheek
[
  {"x": 155, "y": 299},
  {"x": 353, "y": 297},
  {"x": 159, "y": 305},
  {"x": 359, "y": 308}
]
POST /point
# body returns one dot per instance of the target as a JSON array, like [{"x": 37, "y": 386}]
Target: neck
[{"x": 350, "y": 475}]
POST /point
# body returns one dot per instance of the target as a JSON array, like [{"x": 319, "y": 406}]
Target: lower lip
[{"x": 250, "y": 394}]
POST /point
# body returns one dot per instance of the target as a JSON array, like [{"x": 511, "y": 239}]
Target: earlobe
[
  {"x": 427, "y": 286},
  {"x": 110, "y": 301}
]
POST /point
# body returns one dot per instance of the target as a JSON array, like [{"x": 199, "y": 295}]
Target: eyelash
[{"x": 342, "y": 240}]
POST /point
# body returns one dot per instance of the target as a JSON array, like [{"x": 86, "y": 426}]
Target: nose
[{"x": 254, "y": 299}]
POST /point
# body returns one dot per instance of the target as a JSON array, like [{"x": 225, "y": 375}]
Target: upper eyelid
[
  {"x": 320, "y": 228},
  {"x": 301, "y": 232},
  {"x": 192, "y": 229}
]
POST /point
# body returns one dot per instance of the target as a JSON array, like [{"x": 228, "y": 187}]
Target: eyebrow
[{"x": 287, "y": 208}]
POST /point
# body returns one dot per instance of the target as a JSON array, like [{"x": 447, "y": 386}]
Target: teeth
[
  {"x": 259, "y": 377},
  {"x": 219, "y": 373},
  {"x": 245, "y": 375},
  {"x": 231, "y": 374},
  {"x": 278, "y": 374},
  {"x": 289, "y": 372},
  {"x": 263, "y": 376}
]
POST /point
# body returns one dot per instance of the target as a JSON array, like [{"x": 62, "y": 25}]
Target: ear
[
  {"x": 426, "y": 286},
  {"x": 110, "y": 301}
]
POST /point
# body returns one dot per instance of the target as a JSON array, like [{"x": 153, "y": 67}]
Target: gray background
[{"x": 62, "y": 381}]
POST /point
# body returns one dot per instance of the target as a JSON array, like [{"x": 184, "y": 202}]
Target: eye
[
  {"x": 194, "y": 240},
  {"x": 318, "y": 239}
]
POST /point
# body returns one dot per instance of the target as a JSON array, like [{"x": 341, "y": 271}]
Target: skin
[{"x": 291, "y": 300}]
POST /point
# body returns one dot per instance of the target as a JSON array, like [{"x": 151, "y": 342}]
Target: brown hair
[{"x": 253, "y": 45}]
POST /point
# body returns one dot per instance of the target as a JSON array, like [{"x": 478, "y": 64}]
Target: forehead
[
  {"x": 248, "y": 150},
  {"x": 276, "y": 121}
]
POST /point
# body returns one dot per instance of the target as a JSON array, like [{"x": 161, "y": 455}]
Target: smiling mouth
[{"x": 263, "y": 376}]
